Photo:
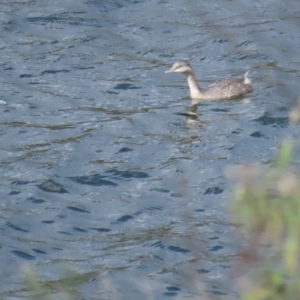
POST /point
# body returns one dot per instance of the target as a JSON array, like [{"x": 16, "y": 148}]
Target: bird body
[{"x": 223, "y": 89}]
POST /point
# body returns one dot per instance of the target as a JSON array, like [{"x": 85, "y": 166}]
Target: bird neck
[{"x": 195, "y": 90}]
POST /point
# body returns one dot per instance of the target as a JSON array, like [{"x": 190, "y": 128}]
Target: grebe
[{"x": 223, "y": 89}]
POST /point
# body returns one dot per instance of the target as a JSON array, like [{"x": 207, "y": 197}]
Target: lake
[{"x": 104, "y": 171}]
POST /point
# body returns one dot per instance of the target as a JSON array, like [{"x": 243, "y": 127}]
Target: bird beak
[{"x": 169, "y": 71}]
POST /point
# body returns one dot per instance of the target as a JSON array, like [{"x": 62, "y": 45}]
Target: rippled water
[{"x": 102, "y": 170}]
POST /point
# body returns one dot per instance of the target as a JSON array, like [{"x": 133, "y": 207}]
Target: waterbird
[{"x": 222, "y": 89}]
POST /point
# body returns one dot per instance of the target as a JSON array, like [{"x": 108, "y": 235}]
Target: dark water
[{"x": 102, "y": 171}]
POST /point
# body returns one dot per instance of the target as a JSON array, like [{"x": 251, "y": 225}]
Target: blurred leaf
[{"x": 284, "y": 155}]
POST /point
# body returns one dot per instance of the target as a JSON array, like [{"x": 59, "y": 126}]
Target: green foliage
[
  {"x": 267, "y": 205},
  {"x": 64, "y": 288}
]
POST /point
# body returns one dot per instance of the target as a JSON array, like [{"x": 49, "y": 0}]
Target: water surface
[{"x": 102, "y": 170}]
